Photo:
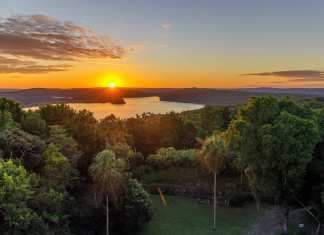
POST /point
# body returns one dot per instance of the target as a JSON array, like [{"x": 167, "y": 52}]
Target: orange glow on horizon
[{"x": 93, "y": 76}]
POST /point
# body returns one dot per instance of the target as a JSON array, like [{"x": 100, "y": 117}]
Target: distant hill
[
  {"x": 38, "y": 96},
  {"x": 7, "y": 90},
  {"x": 298, "y": 91},
  {"x": 227, "y": 96}
]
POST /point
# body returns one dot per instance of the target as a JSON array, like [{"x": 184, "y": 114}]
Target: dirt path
[{"x": 268, "y": 224}]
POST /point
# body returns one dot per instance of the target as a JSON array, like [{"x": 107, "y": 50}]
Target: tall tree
[
  {"x": 15, "y": 193},
  {"x": 33, "y": 123},
  {"x": 6, "y": 120},
  {"x": 113, "y": 131},
  {"x": 107, "y": 174},
  {"x": 57, "y": 169},
  {"x": 81, "y": 125},
  {"x": 27, "y": 147},
  {"x": 11, "y": 107},
  {"x": 274, "y": 141},
  {"x": 213, "y": 157},
  {"x": 65, "y": 143},
  {"x": 27, "y": 207}
]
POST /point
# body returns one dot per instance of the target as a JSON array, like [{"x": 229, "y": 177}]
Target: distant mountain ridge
[
  {"x": 206, "y": 96},
  {"x": 303, "y": 91}
]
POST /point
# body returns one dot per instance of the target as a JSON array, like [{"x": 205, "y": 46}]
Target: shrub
[
  {"x": 170, "y": 157},
  {"x": 134, "y": 211}
]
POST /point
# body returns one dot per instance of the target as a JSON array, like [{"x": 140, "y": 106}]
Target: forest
[{"x": 64, "y": 172}]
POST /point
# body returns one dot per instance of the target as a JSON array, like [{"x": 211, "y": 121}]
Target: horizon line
[{"x": 123, "y": 87}]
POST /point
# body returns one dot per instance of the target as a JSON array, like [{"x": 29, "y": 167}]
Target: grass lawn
[{"x": 185, "y": 216}]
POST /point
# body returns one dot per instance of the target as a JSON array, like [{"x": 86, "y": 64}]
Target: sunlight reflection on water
[{"x": 134, "y": 106}]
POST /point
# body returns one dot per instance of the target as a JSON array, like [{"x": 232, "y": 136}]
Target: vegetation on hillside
[{"x": 64, "y": 172}]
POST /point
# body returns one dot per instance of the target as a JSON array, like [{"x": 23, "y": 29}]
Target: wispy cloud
[
  {"x": 9, "y": 65},
  {"x": 37, "y": 43},
  {"x": 301, "y": 74},
  {"x": 166, "y": 26}
]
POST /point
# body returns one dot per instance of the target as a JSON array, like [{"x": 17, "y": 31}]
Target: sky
[{"x": 161, "y": 43}]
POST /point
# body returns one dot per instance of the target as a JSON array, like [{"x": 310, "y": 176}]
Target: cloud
[
  {"x": 300, "y": 74},
  {"x": 9, "y": 65},
  {"x": 314, "y": 79},
  {"x": 33, "y": 43},
  {"x": 164, "y": 41},
  {"x": 166, "y": 26}
]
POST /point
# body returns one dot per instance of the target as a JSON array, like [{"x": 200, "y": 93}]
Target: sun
[
  {"x": 112, "y": 85},
  {"x": 111, "y": 80}
]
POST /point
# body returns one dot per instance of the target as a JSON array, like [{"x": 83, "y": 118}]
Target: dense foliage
[
  {"x": 170, "y": 157},
  {"x": 61, "y": 169},
  {"x": 45, "y": 187},
  {"x": 27, "y": 205},
  {"x": 274, "y": 141}
]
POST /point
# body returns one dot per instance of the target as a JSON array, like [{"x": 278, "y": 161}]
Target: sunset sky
[{"x": 161, "y": 43}]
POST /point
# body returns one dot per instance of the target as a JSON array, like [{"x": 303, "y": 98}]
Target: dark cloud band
[{"x": 304, "y": 74}]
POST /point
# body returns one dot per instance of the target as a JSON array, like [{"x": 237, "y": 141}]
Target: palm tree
[
  {"x": 107, "y": 174},
  {"x": 213, "y": 156}
]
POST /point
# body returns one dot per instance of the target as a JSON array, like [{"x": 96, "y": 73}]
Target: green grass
[{"x": 185, "y": 216}]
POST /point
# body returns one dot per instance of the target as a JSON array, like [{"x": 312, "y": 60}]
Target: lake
[{"x": 133, "y": 106}]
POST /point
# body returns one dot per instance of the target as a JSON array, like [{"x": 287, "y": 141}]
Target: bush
[
  {"x": 134, "y": 211},
  {"x": 170, "y": 157}
]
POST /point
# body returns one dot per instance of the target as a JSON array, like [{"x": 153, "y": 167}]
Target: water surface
[{"x": 134, "y": 106}]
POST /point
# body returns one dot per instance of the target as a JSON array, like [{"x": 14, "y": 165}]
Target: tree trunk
[
  {"x": 107, "y": 216},
  {"x": 286, "y": 220},
  {"x": 215, "y": 200},
  {"x": 95, "y": 199},
  {"x": 257, "y": 201},
  {"x": 242, "y": 177}
]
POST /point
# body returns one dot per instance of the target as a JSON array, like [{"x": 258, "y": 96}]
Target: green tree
[
  {"x": 213, "y": 157},
  {"x": 57, "y": 168},
  {"x": 22, "y": 145},
  {"x": 214, "y": 119},
  {"x": 81, "y": 126},
  {"x": 151, "y": 132},
  {"x": 294, "y": 141},
  {"x": 60, "y": 114},
  {"x": 107, "y": 174},
  {"x": 134, "y": 211},
  {"x": 209, "y": 119},
  {"x": 113, "y": 131},
  {"x": 122, "y": 151},
  {"x": 171, "y": 157},
  {"x": 52, "y": 206},
  {"x": 135, "y": 161},
  {"x": 6, "y": 120},
  {"x": 33, "y": 123},
  {"x": 274, "y": 141},
  {"x": 12, "y": 107},
  {"x": 15, "y": 193},
  {"x": 65, "y": 143}
]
